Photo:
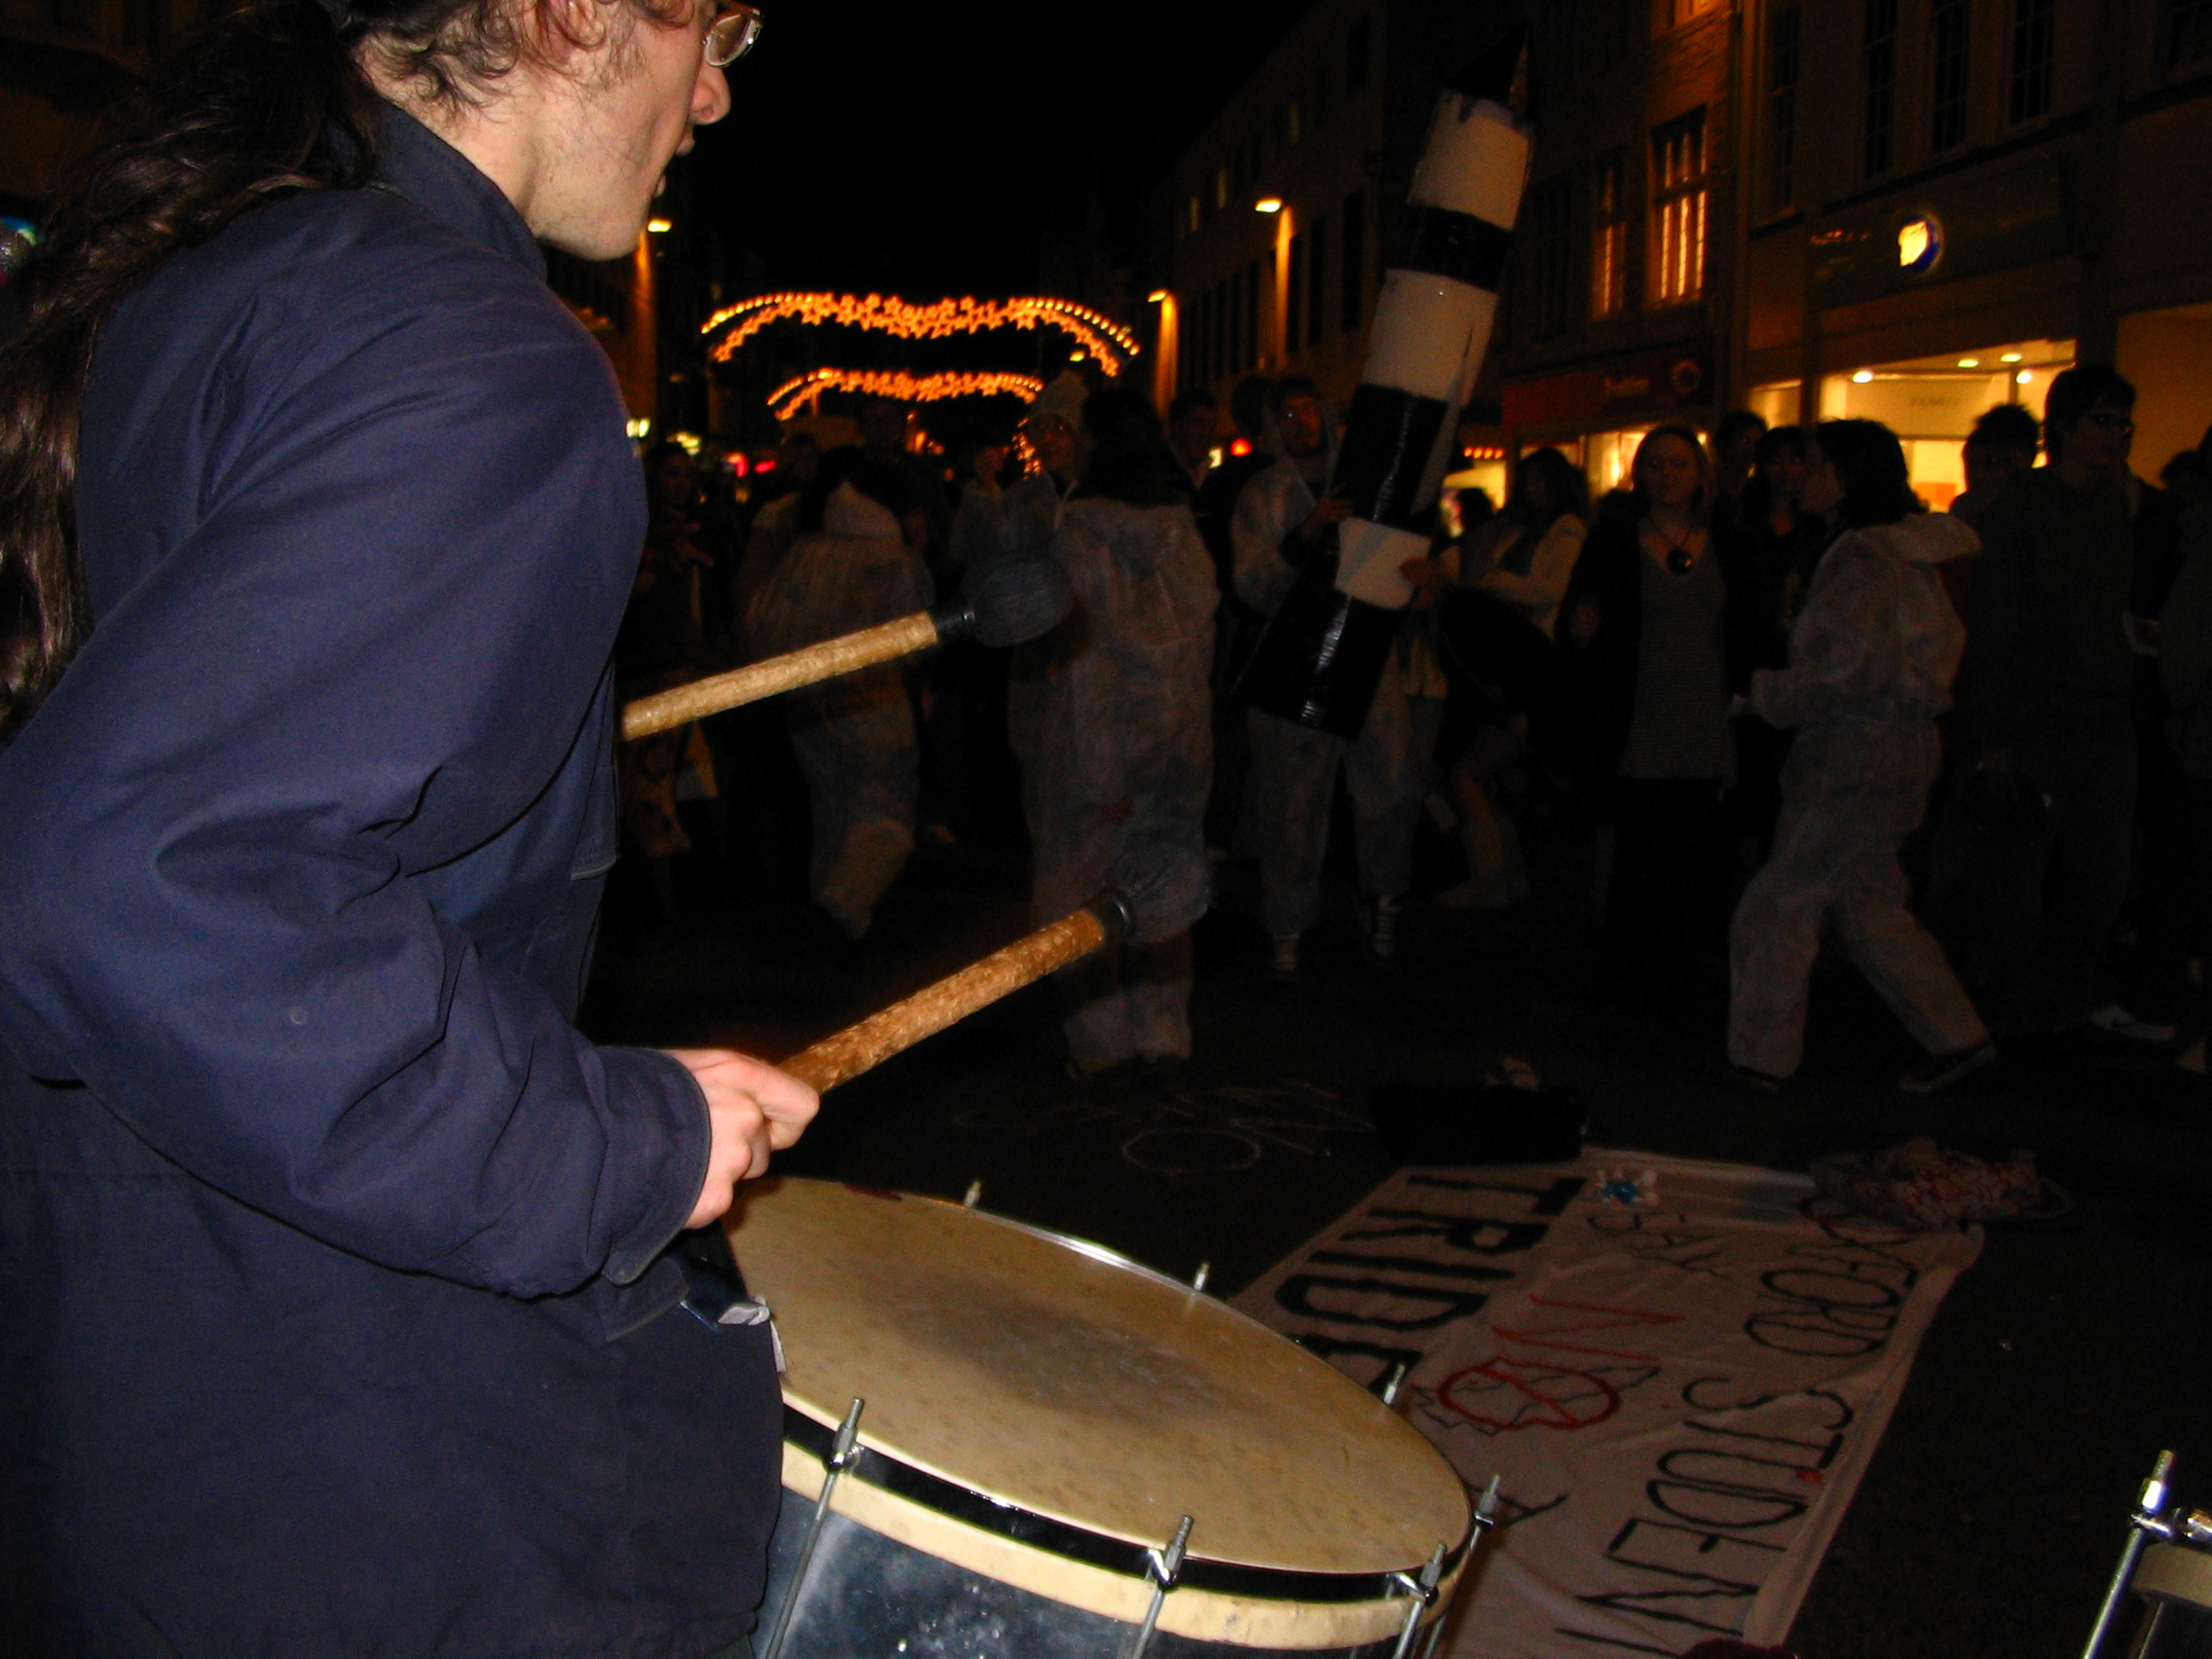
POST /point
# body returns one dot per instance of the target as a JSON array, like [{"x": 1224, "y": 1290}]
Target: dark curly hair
[
  {"x": 1877, "y": 484},
  {"x": 269, "y": 100}
]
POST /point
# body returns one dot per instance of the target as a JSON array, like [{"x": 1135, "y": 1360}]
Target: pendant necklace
[{"x": 1677, "y": 558}]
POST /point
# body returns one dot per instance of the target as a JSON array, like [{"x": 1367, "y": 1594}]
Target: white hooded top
[{"x": 1877, "y": 640}]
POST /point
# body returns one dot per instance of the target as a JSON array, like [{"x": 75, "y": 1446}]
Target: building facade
[
  {"x": 1265, "y": 244},
  {"x": 1906, "y": 210}
]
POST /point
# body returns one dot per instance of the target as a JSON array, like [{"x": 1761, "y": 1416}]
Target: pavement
[{"x": 2064, "y": 1360}]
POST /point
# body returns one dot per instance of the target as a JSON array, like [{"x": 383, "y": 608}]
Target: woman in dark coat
[{"x": 1644, "y": 633}]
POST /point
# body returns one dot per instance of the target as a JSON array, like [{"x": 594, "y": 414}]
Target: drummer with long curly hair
[{"x": 337, "y": 1315}]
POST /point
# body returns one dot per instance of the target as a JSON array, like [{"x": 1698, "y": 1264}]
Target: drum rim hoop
[{"x": 1102, "y": 1550}]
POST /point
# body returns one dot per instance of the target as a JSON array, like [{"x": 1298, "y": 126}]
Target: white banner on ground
[{"x": 1679, "y": 1394}]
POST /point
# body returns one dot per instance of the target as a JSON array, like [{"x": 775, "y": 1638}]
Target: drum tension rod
[
  {"x": 1163, "y": 1568},
  {"x": 1423, "y": 1590},
  {"x": 844, "y": 1453},
  {"x": 2151, "y": 1520}
]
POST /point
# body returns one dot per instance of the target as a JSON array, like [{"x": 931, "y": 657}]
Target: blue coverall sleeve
[{"x": 377, "y": 647}]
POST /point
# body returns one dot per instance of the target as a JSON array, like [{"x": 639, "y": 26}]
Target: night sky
[{"x": 918, "y": 149}]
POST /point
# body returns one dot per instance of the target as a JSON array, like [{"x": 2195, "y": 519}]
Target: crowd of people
[{"x": 1779, "y": 699}]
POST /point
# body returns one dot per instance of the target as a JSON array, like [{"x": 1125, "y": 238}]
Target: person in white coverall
[
  {"x": 1871, "y": 660},
  {"x": 854, "y": 735},
  {"x": 1111, "y": 721},
  {"x": 1280, "y": 521}
]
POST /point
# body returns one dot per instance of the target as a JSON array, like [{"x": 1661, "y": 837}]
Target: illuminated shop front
[
  {"x": 1598, "y": 416},
  {"x": 1931, "y": 404}
]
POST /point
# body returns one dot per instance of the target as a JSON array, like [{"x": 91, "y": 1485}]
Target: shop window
[
  {"x": 1784, "y": 34},
  {"x": 1356, "y": 55},
  {"x": 1251, "y": 317},
  {"x": 1677, "y": 209},
  {"x": 1294, "y": 297},
  {"x": 1549, "y": 268},
  {"x": 2034, "y": 41},
  {"x": 1608, "y": 236},
  {"x": 1878, "y": 85},
  {"x": 1352, "y": 279},
  {"x": 2185, "y": 31},
  {"x": 1318, "y": 279},
  {"x": 1950, "y": 29},
  {"x": 1775, "y": 403}
]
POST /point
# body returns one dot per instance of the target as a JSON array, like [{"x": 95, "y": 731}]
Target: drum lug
[
  {"x": 975, "y": 1194},
  {"x": 844, "y": 1453},
  {"x": 1423, "y": 1590},
  {"x": 1199, "y": 1279},
  {"x": 2153, "y": 1519},
  {"x": 1163, "y": 1568}
]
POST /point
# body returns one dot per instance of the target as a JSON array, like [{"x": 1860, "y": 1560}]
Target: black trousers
[{"x": 1665, "y": 928}]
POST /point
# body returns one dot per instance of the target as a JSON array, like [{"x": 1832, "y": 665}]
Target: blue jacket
[{"x": 332, "y": 1316}]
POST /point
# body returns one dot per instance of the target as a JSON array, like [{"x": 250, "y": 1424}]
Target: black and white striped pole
[{"x": 1323, "y": 652}]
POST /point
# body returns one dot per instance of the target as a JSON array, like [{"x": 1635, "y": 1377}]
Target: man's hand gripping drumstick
[{"x": 753, "y": 1112}]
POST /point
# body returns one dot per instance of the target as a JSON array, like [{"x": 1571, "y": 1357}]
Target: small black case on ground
[{"x": 1488, "y": 1123}]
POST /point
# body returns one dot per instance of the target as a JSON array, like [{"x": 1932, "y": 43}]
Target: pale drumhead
[{"x": 1068, "y": 1383}]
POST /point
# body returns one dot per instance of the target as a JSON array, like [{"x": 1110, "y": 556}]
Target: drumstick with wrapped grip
[
  {"x": 1008, "y": 602},
  {"x": 1159, "y": 893}
]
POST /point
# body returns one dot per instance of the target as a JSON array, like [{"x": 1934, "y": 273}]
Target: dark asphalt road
[{"x": 2064, "y": 1360}]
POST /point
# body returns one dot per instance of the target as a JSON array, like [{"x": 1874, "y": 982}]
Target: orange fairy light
[
  {"x": 1098, "y": 335},
  {"x": 904, "y": 388}
]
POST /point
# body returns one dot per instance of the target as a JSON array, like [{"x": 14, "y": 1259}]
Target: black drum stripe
[
  {"x": 1389, "y": 437},
  {"x": 1447, "y": 244},
  {"x": 1095, "y": 1549}
]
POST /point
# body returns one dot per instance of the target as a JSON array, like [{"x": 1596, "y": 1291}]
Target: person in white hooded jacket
[
  {"x": 854, "y": 735},
  {"x": 1871, "y": 660},
  {"x": 1111, "y": 719}
]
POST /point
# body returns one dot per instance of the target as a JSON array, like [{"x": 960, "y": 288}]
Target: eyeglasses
[{"x": 732, "y": 34}]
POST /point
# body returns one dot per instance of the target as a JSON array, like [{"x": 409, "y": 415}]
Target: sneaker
[
  {"x": 1282, "y": 954},
  {"x": 1380, "y": 921},
  {"x": 2115, "y": 1021},
  {"x": 1943, "y": 1070}
]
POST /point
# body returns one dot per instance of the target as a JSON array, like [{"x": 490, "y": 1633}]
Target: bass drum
[{"x": 1038, "y": 1416}]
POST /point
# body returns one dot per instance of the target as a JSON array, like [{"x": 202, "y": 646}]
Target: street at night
[{"x": 1375, "y": 828}]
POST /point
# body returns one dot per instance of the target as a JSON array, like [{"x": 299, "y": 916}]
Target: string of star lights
[
  {"x": 903, "y": 388},
  {"x": 1100, "y": 337}
]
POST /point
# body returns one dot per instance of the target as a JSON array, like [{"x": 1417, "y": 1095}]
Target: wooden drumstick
[
  {"x": 1008, "y": 601},
  {"x": 845, "y": 1054}
]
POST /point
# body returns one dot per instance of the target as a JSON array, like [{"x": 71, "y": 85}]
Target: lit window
[
  {"x": 1609, "y": 239},
  {"x": 1192, "y": 217},
  {"x": 1220, "y": 187},
  {"x": 1678, "y": 203}
]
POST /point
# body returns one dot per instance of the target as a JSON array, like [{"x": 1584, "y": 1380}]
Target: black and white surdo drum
[{"x": 1036, "y": 1449}]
